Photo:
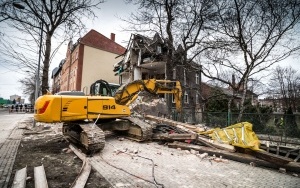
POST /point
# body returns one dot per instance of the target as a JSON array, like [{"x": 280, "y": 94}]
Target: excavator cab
[{"x": 103, "y": 88}]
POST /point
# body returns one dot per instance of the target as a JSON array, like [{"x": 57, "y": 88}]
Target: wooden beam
[
  {"x": 175, "y": 123},
  {"x": 277, "y": 159},
  {"x": 174, "y": 136},
  {"x": 215, "y": 144},
  {"x": 20, "y": 178},
  {"x": 40, "y": 180},
  {"x": 83, "y": 175},
  {"x": 85, "y": 171},
  {"x": 240, "y": 157}
]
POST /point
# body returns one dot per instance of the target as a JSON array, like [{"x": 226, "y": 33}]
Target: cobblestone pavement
[
  {"x": 177, "y": 168},
  {"x": 8, "y": 152},
  {"x": 9, "y": 142}
]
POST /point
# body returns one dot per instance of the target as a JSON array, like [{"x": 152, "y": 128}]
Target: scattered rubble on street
[{"x": 176, "y": 156}]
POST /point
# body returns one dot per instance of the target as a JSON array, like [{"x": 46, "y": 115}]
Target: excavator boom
[{"x": 126, "y": 94}]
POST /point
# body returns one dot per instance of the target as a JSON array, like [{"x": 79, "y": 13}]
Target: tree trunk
[
  {"x": 243, "y": 101},
  {"x": 46, "y": 64},
  {"x": 229, "y": 111}
]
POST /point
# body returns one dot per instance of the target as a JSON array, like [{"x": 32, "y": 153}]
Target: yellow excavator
[{"x": 85, "y": 118}]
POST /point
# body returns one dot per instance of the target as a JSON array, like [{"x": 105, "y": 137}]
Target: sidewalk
[{"x": 8, "y": 150}]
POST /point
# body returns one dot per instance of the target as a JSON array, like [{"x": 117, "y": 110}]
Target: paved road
[
  {"x": 8, "y": 122},
  {"x": 9, "y": 141}
]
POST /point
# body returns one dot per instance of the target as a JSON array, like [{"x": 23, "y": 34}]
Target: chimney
[{"x": 112, "y": 37}]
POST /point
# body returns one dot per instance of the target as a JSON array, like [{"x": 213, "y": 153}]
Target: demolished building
[{"x": 146, "y": 58}]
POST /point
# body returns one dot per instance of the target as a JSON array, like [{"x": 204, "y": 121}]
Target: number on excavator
[{"x": 108, "y": 107}]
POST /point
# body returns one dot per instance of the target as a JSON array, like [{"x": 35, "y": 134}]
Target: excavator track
[
  {"x": 90, "y": 136},
  {"x": 139, "y": 130}
]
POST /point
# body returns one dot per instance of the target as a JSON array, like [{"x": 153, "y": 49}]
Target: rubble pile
[{"x": 150, "y": 105}]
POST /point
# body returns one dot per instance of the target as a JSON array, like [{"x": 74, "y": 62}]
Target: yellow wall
[{"x": 98, "y": 64}]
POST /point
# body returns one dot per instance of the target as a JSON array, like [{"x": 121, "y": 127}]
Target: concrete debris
[
  {"x": 194, "y": 152},
  {"x": 117, "y": 152},
  {"x": 28, "y": 178},
  {"x": 145, "y": 104},
  {"x": 220, "y": 160},
  {"x": 65, "y": 149},
  {"x": 282, "y": 170},
  {"x": 252, "y": 164},
  {"x": 202, "y": 156}
]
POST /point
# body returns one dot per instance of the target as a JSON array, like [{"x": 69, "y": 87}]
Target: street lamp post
[
  {"x": 37, "y": 83},
  {"x": 37, "y": 79}
]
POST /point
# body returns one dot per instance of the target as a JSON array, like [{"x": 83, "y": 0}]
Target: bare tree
[
  {"x": 28, "y": 86},
  {"x": 251, "y": 36},
  {"x": 48, "y": 19},
  {"x": 182, "y": 26},
  {"x": 285, "y": 87}
]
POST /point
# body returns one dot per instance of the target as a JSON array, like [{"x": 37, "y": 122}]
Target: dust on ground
[{"x": 47, "y": 147}]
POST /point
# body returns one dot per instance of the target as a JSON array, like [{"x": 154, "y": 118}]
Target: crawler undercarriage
[{"x": 91, "y": 135}]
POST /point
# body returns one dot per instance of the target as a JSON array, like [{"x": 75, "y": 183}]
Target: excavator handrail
[{"x": 126, "y": 94}]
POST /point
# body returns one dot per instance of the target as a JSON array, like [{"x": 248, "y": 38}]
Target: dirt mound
[{"x": 44, "y": 146}]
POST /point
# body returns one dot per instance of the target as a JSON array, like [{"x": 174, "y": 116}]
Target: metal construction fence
[{"x": 276, "y": 124}]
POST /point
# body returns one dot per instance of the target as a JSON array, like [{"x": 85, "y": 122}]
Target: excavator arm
[{"x": 126, "y": 94}]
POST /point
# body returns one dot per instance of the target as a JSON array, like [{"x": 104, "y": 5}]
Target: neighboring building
[
  {"x": 56, "y": 76},
  {"x": 18, "y": 99},
  {"x": 208, "y": 89},
  {"x": 91, "y": 58},
  {"x": 275, "y": 103}
]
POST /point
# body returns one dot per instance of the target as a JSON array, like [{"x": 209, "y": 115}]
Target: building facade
[
  {"x": 18, "y": 99},
  {"x": 89, "y": 59}
]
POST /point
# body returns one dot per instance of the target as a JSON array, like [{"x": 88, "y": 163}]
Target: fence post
[{"x": 228, "y": 118}]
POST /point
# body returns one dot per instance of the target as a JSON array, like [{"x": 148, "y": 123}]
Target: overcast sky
[{"x": 107, "y": 22}]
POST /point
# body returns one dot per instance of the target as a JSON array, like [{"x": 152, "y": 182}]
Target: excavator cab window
[
  {"x": 100, "y": 88},
  {"x": 114, "y": 88}
]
